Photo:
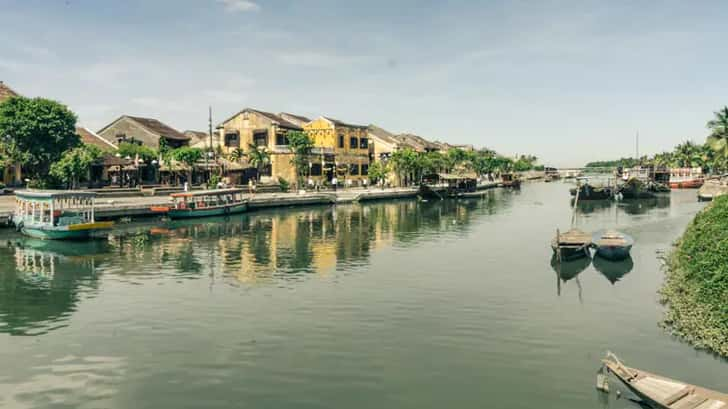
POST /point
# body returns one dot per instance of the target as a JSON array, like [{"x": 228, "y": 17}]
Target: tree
[
  {"x": 75, "y": 164},
  {"x": 258, "y": 157},
  {"x": 718, "y": 139},
  {"x": 189, "y": 156},
  {"x": 378, "y": 171},
  {"x": 236, "y": 155},
  {"x": 301, "y": 146},
  {"x": 132, "y": 150},
  {"x": 35, "y": 133},
  {"x": 404, "y": 163}
]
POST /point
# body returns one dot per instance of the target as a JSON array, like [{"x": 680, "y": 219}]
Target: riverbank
[
  {"x": 140, "y": 206},
  {"x": 696, "y": 284}
]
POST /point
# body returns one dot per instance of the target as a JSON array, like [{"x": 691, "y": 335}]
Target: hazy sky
[{"x": 568, "y": 81}]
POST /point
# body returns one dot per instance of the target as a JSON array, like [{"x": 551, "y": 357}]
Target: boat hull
[
  {"x": 207, "y": 212},
  {"x": 72, "y": 232},
  {"x": 688, "y": 184},
  {"x": 614, "y": 253},
  {"x": 571, "y": 253}
]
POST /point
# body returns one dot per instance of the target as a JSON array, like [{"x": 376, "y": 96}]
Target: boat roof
[
  {"x": 52, "y": 194},
  {"x": 214, "y": 192}
]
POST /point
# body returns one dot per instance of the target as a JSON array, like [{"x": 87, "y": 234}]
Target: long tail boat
[
  {"x": 219, "y": 202},
  {"x": 664, "y": 393},
  {"x": 57, "y": 214}
]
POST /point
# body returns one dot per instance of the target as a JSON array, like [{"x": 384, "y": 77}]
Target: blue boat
[{"x": 612, "y": 245}]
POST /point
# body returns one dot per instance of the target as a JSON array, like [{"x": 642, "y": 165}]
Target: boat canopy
[
  {"x": 215, "y": 192},
  {"x": 52, "y": 194}
]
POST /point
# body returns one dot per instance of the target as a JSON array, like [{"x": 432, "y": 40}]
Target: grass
[{"x": 696, "y": 283}]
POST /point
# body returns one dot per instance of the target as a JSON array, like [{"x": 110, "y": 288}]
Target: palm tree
[
  {"x": 718, "y": 139},
  {"x": 236, "y": 155},
  {"x": 259, "y": 158}
]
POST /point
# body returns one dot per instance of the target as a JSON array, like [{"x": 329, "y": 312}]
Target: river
[{"x": 399, "y": 304}]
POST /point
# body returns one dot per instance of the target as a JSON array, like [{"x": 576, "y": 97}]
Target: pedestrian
[
  {"x": 335, "y": 183},
  {"x": 186, "y": 187}
]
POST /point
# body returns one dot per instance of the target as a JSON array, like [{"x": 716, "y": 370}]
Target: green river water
[{"x": 399, "y": 304}]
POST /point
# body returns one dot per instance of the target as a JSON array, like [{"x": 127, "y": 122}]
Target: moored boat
[
  {"x": 612, "y": 245},
  {"x": 686, "y": 178},
  {"x": 510, "y": 180},
  {"x": 204, "y": 203},
  {"x": 571, "y": 245},
  {"x": 57, "y": 215},
  {"x": 661, "y": 392}
]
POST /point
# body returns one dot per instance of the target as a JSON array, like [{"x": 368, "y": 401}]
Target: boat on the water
[
  {"x": 612, "y": 245},
  {"x": 589, "y": 192},
  {"x": 571, "y": 245},
  {"x": 686, "y": 178},
  {"x": 661, "y": 392},
  {"x": 634, "y": 188},
  {"x": 204, "y": 203},
  {"x": 57, "y": 214},
  {"x": 510, "y": 180}
]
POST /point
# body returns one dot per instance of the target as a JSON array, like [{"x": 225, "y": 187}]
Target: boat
[
  {"x": 204, "y": 203},
  {"x": 612, "y": 245},
  {"x": 686, "y": 178},
  {"x": 587, "y": 191},
  {"x": 635, "y": 188},
  {"x": 510, "y": 180},
  {"x": 57, "y": 214},
  {"x": 571, "y": 245},
  {"x": 660, "y": 392}
]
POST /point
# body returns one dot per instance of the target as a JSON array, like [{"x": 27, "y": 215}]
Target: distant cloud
[
  {"x": 320, "y": 59},
  {"x": 235, "y": 6}
]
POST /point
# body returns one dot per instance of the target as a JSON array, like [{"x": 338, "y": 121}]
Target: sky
[{"x": 567, "y": 81}]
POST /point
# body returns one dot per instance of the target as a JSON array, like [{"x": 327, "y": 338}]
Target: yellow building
[
  {"x": 341, "y": 151},
  {"x": 265, "y": 130}
]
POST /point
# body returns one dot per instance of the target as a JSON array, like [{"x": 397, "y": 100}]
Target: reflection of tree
[
  {"x": 40, "y": 289},
  {"x": 642, "y": 206}
]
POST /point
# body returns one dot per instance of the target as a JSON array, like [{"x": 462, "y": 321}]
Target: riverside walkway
[{"x": 139, "y": 206}]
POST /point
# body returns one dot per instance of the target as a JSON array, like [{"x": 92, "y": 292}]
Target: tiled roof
[
  {"x": 159, "y": 128},
  {"x": 282, "y": 122},
  {"x": 342, "y": 123},
  {"x": 382, "y": 134},
  {"x": 196, "y": 135},
  {"x": 90, "y": 138},
  {"x": 6, "y": 92},
  {"x": 298, "y": 118}
]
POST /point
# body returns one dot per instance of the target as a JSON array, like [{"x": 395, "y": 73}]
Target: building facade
[
  {"x": 341, "y": 151},
  {"x": 143, "y": 131}
]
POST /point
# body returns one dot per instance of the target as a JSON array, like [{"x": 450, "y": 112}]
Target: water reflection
[
  {"x": 613, "y": 270},
  {"x": 42, "y": 283},
  {"x": 568, "y": 270},
  {"x": 630, "y": 207}
]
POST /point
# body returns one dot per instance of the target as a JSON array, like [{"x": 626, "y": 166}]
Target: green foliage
[
  {"x": 131, "y": 150},
  {"x": 236, "y": 155},
  {"x": 284, "y": 184},
  {"x": 623, "y": 162},
  {"x": 75, "y": 164},
  {"x": 258, "y": 157},
  {"x": 378, "y": 171},
  {"x": 187, "y": 155},
  {"x": 696, "y": 286},
  {"x": 35, "y": 132},
  {"x": 301, "y": 146},
  {"x": 212, "y": 183}
]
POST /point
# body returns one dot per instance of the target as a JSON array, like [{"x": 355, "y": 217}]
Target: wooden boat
[
  {"x": 660, "y": 392},
  {"x": 204, "y": 203},
  {"x": 571, "y": 245},
  {"x": 589, "y": 192},
  {"x": 57, "y": 215},
  {"x": 612, "y": 245},
  {"x": 634, "y": 188},
  {"x": 510, "y": 180},
  {"x": 686, "y": 178}
]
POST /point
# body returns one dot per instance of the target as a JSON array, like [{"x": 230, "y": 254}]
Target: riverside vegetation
[{"x": 696, "y": 284}]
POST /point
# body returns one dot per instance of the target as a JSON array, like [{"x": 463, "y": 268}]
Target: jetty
[{"x": 664, "y": 393}]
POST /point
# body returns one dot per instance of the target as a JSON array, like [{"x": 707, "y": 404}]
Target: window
[
  {"x": 364, "y": 143},
  {"x": 281, "y": 140},
  {"x": 260, "y": 139},
  {"x": 353, "y": 142},
  {"x": 316, "y": 169},
  {"x": 353, "y": 169},
  {"x": 341, "y": 141},
  {"x": 232, "y": 139},
  {"x": 364, "y": 170}
]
